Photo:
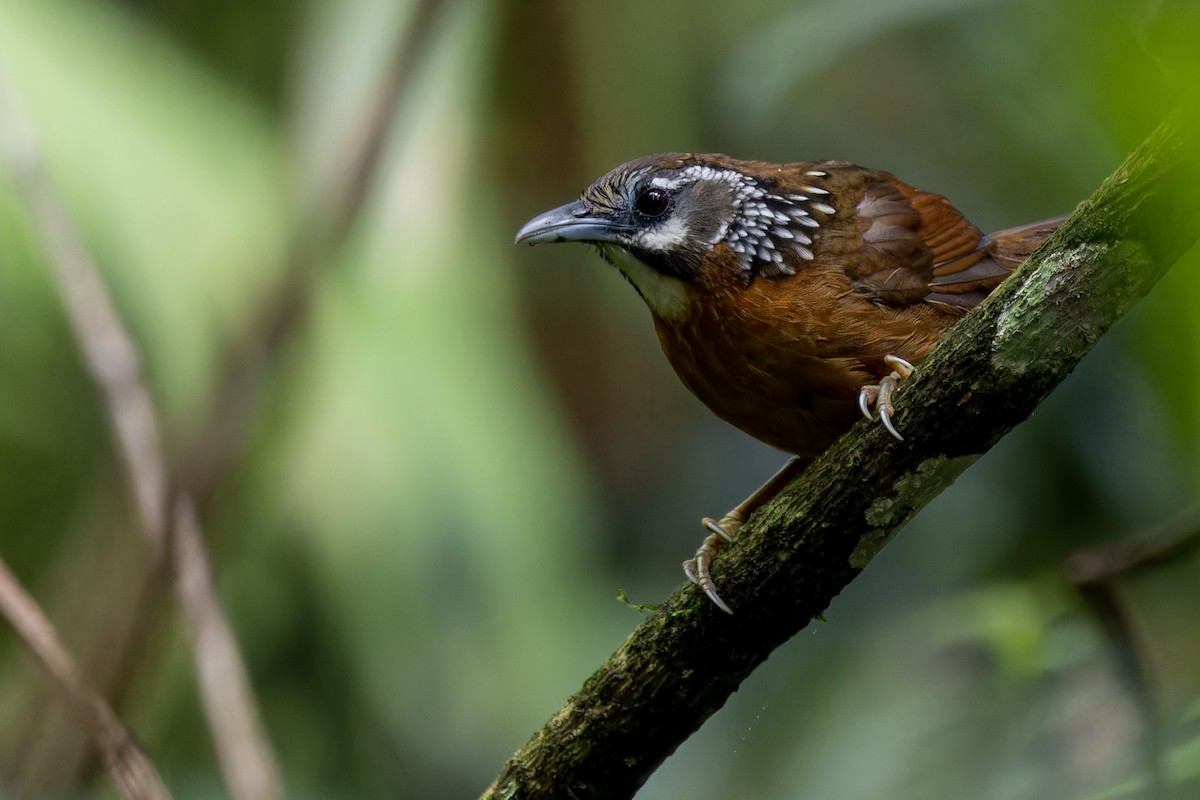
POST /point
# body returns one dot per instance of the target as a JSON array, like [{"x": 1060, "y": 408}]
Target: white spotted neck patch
[{"x": 765, "y": 225}]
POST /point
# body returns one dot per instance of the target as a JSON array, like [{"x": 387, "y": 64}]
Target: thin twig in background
[
  {"x": 1126, "y": 558},
  {"x": 243, "y": 749},
  {"x": 324, "y": 222},
  {"x": 245, "y": 370},
  {"x": 1099, "y": 574},
  {"x": 130, "y": 768},
  {"x": 247, "y": 761}
]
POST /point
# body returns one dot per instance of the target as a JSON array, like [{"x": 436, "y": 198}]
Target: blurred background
[{"x": 448, "y": 454}]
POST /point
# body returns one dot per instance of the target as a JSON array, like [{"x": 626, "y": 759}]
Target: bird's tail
[
  {"x": 1011, "y": 246},
  {"x": 963, "y": 282}
]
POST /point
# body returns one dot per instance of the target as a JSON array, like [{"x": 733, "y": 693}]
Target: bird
[{"x": 789, "y": 298}]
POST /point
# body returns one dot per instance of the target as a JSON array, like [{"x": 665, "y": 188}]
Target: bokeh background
[{"x": 456, "y": 452}]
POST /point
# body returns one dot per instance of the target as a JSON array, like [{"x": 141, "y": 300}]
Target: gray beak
[{"x": 574, "y": 222}]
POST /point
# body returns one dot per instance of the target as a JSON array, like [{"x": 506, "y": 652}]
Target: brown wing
[{"x": 918, "y": 248}]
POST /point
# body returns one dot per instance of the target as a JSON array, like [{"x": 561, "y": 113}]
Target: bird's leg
[
  {"x": 725, "y": 529},
  {"x": 880, "y": 394}
]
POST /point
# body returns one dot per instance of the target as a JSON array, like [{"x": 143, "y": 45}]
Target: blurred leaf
[
  {"x": 810, "y": 38},
  {"x": 175, "y": 179},
  {"x": 424, "y": 463},
  {"x": 1182, "y": 774},
  {"x": 1168, "y": 355}
]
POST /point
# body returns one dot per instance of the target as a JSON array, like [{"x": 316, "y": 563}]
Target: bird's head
[{"x": 666, "y": 220}]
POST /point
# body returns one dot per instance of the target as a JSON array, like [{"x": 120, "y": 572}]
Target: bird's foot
[
  {"x": 697, "y": 567},
  {"x": 880, "y": 394},
  {"x": 724, "y": 530}
]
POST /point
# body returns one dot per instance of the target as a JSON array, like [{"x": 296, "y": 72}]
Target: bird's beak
[{"x": 574, "y": 222}]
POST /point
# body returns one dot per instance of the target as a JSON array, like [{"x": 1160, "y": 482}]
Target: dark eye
[{"x": 651, "y": 202}]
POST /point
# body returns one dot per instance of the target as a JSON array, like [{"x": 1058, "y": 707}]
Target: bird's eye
[{"x": 651, "y": 202}]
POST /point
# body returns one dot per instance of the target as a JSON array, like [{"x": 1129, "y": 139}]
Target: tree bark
[{"x": 794, "y": 556}]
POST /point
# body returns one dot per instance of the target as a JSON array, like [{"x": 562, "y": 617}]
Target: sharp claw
[
  {"x": 714, "y": 526},
  {"x": 902, "y": 367},
  {"x": 881, "y": 394},
  {"x": 887, "y": 423},
  {"x": 696, "y": 567},
  {"x": 865, "y": 397},
  {"x": 723, "y": 531},
  {"x": 717, "y": 601}
]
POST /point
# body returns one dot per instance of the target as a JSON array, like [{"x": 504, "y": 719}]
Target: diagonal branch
[
  {"x": 130, "y": 768},
  {"x": 680, "y": 665}
]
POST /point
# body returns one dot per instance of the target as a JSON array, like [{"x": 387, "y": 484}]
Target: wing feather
[{"x": 919, "y": 249}]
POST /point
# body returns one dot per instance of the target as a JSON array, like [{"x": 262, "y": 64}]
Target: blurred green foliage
[{"x": 467, "y": 449}]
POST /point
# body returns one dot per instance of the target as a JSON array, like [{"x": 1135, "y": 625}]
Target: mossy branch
[{"x": 793, "y": 557}]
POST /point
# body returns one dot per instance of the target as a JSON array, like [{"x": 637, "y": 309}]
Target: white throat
[{"x": 667, "y": 296}]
